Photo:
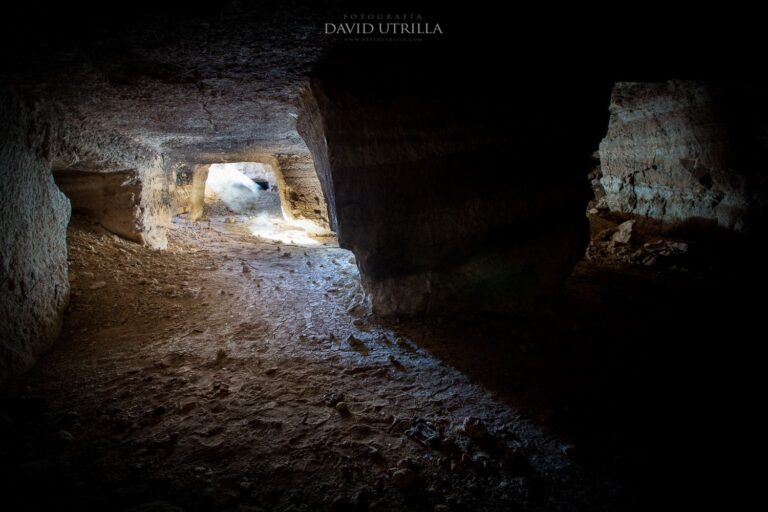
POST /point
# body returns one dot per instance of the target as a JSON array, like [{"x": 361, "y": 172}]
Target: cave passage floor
[{"x": 208, "y": 377}]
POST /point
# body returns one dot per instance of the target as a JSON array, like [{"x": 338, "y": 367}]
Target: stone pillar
[
  {"x": 454, "y": 192},
  {"x": 199, "y": 177}
]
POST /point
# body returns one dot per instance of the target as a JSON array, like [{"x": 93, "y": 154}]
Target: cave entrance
[
  {"x": 245, "y": 189},
  {"x": 248, "y": 194}
]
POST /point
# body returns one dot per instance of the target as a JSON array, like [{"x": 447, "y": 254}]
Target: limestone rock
[
  {"x": 463, "y": 204},
  {"x": 112, "y": 198},
  {"x": 681, "y": 149},
  {"x": 623, "y": 234},
  {"x": 33, "y": 254}
]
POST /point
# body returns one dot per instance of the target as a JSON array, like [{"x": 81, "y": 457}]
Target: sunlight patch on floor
[{"x": 296, "y": 232}]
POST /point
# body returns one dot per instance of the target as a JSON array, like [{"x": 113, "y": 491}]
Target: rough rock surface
[
  {"x": 184, "y": 176},
  {"x": 152, "y": 90},
  {"x": 197, "y": 191},
  {"x": 84, "y": 142},
  {"x": 681, "y": 149},
  {"x": 193, "y": 88},
  {"x": 36, "y": 134},
  {"x": 443, "y": 193},
  {"x": 112, "y": 198},
  {"x": 33, "y": 254},
  {"x": 239, "y": 391},
  {"x": 148, "y": 90},
  {"x": 300, "y": 190}
]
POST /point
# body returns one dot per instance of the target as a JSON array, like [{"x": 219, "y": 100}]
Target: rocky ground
[{"x": 232, "y": 373}]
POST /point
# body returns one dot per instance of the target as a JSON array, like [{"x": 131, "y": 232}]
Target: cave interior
[{"x": 251, "y": 265}]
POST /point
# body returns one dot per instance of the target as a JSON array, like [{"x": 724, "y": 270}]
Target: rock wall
[
  {"x": 197, "y": 192},
  {"x": 35, "y": 213},
  {"x": 183, "y": 189},
  {"x": 300, "y": 190},
  {"x": 677, "y": 150},
  {"x": 84, "y": 142},
  {"x": 34, "y": 289},
  {"x": 448, "y": 188},
  {"x": 111, "y": 198}
]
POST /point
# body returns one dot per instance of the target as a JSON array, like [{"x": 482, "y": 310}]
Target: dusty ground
[{"x": 229, "y": 373}]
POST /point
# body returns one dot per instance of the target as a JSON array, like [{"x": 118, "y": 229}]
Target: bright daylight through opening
[{"x": 249, "y": 193}]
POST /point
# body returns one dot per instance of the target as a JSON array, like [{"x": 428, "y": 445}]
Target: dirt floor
[{"x": 232, "y": 373}]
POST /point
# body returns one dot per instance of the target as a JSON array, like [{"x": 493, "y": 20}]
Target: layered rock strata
[{"x": 678, "y": 150}]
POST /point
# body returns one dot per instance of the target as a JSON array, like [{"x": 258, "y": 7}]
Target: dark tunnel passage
[{"x": 250, "y": 265}]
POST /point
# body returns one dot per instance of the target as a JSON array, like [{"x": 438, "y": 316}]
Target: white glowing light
[
  {"x": 242, "y": 195},
  {"x": 296, "y": 232},
  {"x": 234, "y": 188}
]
